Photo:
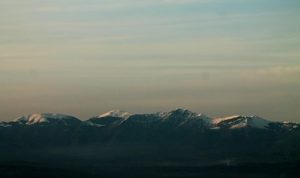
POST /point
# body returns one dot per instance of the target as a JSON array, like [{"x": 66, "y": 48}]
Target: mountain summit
[
  {"x": 238, "y": 121},
  {"x": 46, "y": 118}
]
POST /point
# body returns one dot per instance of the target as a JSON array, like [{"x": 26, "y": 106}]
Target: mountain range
[
  {"x": 178, "y": 137},
  {"x": 178, "y": 116}
]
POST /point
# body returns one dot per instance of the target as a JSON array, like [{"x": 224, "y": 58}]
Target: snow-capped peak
[
  {"x": 116, "y": 113},
  {"x": 43, "y": 118},
  {"x": 184, "y": 116},
  {"x": 238, "y": 121}
]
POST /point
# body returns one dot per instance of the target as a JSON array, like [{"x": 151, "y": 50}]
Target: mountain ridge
[{"x": 118, "y": 117}]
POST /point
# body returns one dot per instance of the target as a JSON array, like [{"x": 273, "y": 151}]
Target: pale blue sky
[{"x": 84, "y": 57}]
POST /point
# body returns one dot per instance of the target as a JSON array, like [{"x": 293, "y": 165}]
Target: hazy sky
[{"x": 85, "y": 57}]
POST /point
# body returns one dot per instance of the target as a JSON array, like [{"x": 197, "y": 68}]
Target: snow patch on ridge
[
  {"x": 221, "y": 119},
  {"x": 116, "y": 113}
]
